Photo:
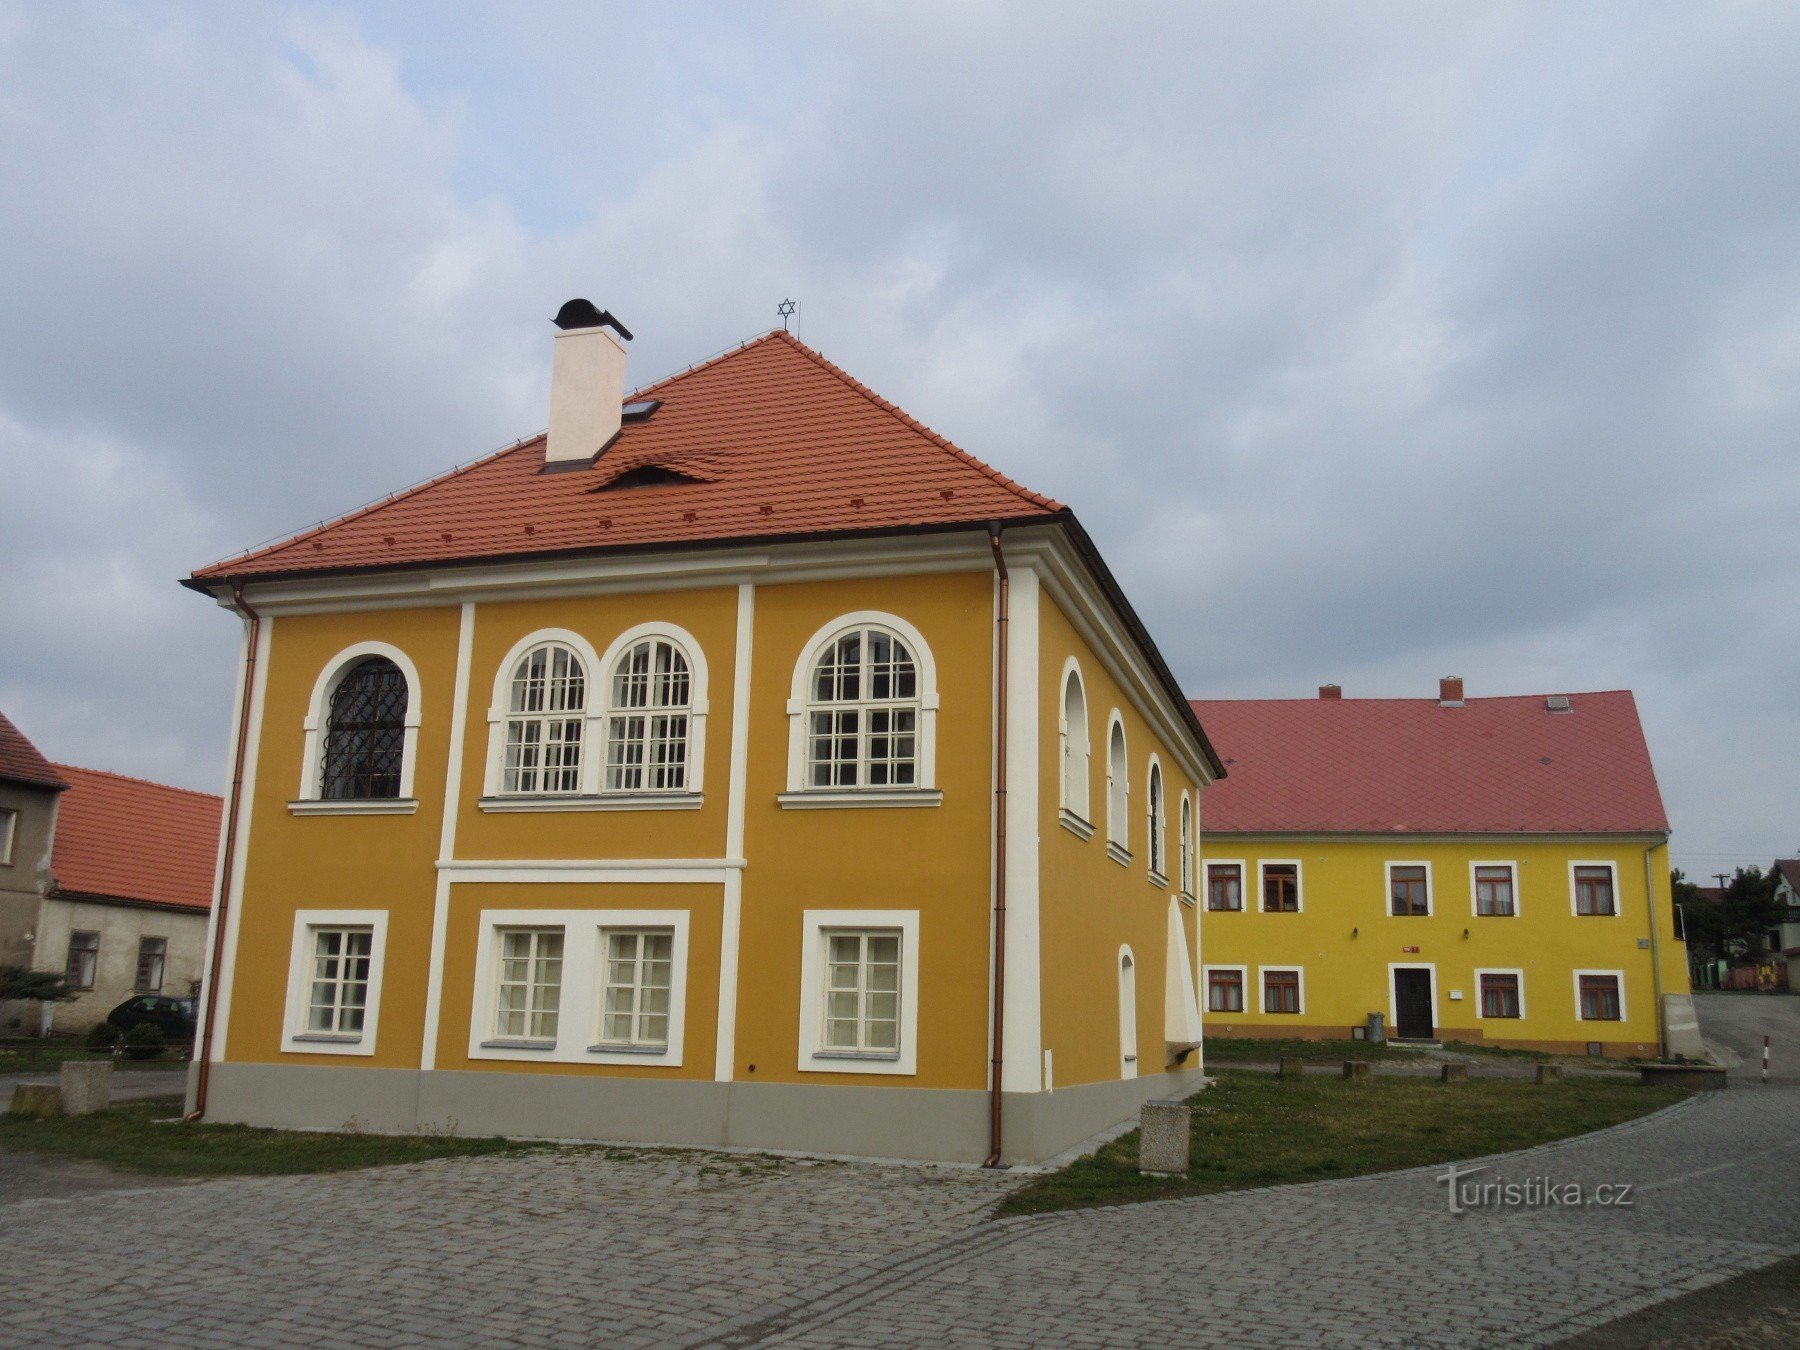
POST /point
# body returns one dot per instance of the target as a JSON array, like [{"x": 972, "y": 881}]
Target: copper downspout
[
  {"x": 230, "y": 849},
  {"x": 1001, "y": 622}
]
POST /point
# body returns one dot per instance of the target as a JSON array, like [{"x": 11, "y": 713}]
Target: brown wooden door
[{"x": 1412, "y": 1004}]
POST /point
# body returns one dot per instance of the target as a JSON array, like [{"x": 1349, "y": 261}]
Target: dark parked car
[{"x": 174, "y": 1015}]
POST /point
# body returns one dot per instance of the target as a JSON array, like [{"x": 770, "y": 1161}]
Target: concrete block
[
  {"x": 37, "y": 1099},
  {"x": 1357, "y": 1068},
  {"x": 86, "y": 1086},
  {"x": 1163, "y": 1135},
  {"x": 1549, "y": 1073},
  {"x": 1293, "y": 1068},
  {"x": 1456, "y": 1073},
  {"x": 1706, "y": 1077}
]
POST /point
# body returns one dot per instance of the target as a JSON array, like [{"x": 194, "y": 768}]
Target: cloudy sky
[{"x": 1373, "y": 343}]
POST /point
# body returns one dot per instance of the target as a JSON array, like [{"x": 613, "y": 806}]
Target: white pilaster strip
[
  {"x": 440, "y": 910},
  {"x": 731, "y": 915},
  {"x": 1022, "y": 1070},
  {"x": 234, "y": 918}
]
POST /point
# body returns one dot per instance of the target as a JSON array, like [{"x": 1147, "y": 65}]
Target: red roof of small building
[
  {"x": 21, "y": 762},
  {"x": 773, "y": 440},
  {"x": 1411, "y": 766},
  {"x": 1789, "y": 868},
  {"x": 126, "y": 839}
]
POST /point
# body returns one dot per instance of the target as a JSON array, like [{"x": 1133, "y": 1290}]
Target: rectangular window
[
  {"x": 84, "y": 960},
  {"x": 1281, "y": 991},
  {"x": 635, "y": 1007},
  {"x": 1225, "y": 991},
  {"x": 1408, "y": 890},
  {"x": 862, "y": 992},
  {"x": 530, "y": 983},
  {"x": 1594, "y": 891},
  {"x": 9, "y": 826},
  {"x": 1599, "y": 998},
  {"x": 1224, "y": 886},
  {"x": 1499, "y": 995},
  {"x": 338, "y": 1000},
  {"x": 1281, "y": 888},
  {"x": 1494, "y": 890},
  {"x": 151, "y": 951}
]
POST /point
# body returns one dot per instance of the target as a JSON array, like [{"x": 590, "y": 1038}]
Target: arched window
[
  {"x": 545, "y": 714},
  {"x": 862, "y": 717},
  {"x": 1157, "y": 829},
  {"x": 364, "y": 748},
  {"x": 1074, "y": 744},
  {"x": 1128, "y": 1050},
  {"x": 1118, "y": 786},
  {"x": 1187, "y": 845},
  {"x": 648, "y": 718}
]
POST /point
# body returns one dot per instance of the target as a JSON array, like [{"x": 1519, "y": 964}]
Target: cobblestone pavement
[{"x": 614, "y": 1246}]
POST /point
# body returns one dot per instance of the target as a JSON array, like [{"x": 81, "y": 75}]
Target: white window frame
[
  {"x": 698, "y": 706},
  {"x": 9, "y": 830},
  {"x": 1618, "y": 910},
  {"x": 1156, "y": 822},
  {"x": 578, "y": 1024},
  {"x": 1244, "y": 874},
  {"x": 162, "y": 965},
  {"x": 1511, "y": 866},
  {"x": 1262, "y": 867},
  {"x": 1128, "y": 1013},
  {"x": 1118, "y": 790},
  {"x": 924, "y": 790},
  {"x": 1387, "y": 904},
  {"x": 593, "y": 715},
  {"x": 1075, "y": 761},
  {"x": 1262, "y": 988},
  {"x": 1247, "y": 987},
  {"x": 311, "y": 800},
  {"x": 1514, "y": 971},
  {"x": 1618, "y": 975},
  {"x": 1189, "y": 854},
  {"x": 295, "y": 1038},
  {"x": 816, "y": 924}
]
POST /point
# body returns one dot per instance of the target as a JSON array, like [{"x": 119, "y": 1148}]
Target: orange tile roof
[
  {"x": 21, "y": 762},
  {"x": 1408, "y": 765},
  {"x": 780, "y": 443},
  {"x": 127, "y": 839}
]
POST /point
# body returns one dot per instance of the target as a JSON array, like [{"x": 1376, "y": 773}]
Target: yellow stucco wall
[
  {"x": 1345, "y": 940},
  {"x": 1091, "y": 905}
]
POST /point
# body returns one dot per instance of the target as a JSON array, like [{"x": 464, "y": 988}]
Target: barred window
[
  {"x": 365, "y": 733},
  {"x": 545, "y": 714},
  {"x": 862, "y": 721},
  {"x": 648, "y": 719}
]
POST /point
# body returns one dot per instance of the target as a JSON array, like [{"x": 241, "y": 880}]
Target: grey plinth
[
  {"x": 1549, "y": 1073},
  {"x": 1163, "y": 1139},
  {"x": 86, "y": 1086},
  {"x": 37, "y": 1099}
]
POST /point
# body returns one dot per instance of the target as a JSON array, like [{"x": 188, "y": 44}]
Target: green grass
[
  {"x": 49, "y": 1054},
  {"x": 140, "y": 1137},
  {"x": 1253, "y": 1129}
]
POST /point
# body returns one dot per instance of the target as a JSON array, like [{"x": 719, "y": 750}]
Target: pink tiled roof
[
  {"x": 20, "y": 761},
  {"x": 1495, "y": 765},
  {"x": 133, "y": 840}
]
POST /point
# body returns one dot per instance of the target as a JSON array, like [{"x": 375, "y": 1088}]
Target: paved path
[{"x": 1735, "y": 1024}]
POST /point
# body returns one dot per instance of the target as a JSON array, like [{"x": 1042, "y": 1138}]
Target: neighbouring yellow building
[
  {"x": 1489, "y": 870},
  {"x": 737, "y": 763}
]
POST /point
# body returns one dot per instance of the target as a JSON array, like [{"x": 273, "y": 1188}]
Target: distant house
[
  {"x": 1784, "y": 938},
  {"x": 105, "y": 880},
  {"x": 1489, "y": 869}
]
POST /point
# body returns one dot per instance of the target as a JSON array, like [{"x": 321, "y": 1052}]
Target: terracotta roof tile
[
  {"x": 20, "y": 761},
  {"x": 780, "y": 442},
  {"x": 1496, "y": 765},
  {"x": 133, "y": 840}
]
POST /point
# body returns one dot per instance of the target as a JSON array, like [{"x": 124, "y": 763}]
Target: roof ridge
[
  {"x": 644, "y": 391},
  {"x": 145, "y": 782},
  {"x": 1407, "y": 698},
  {"x": 912, "y": 423}
]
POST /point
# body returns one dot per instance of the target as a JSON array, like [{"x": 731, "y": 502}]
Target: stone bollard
[
  {"x": 86, "y": 1086},
  {"x": 1549, "y": 1073},
  {"x": 1163, "y": 1138},
  {"x": 1456, "y": 1073},
  {"x": 1357, "y": 1068},
  {"x": 42, "y": 1100},
  {"x": 1293, "y": 1068}
]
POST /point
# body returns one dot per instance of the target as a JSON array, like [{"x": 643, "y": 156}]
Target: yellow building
[
  {"x": 1489, "y": 870},
  {"x": 737, "y": 763}
]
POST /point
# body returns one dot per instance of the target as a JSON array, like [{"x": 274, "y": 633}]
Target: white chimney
[{"x": 587, "y": 384}]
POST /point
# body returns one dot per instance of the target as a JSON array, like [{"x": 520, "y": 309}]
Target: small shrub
[
  {"x": 103, "y": 1036},
  {"x": 145, "y": 1041}
]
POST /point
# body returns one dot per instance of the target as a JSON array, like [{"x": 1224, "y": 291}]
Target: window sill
[
  {"x": 651, "y": 1051},
  {"x": 368, "y": 806},
  {"x": 325, "y": 1038},
  {"x": 875, "y": 1056},
  {"x": 618, "y": 801},
  {"x": 1513, "y": 915},
  {"x": 1187, "y": 899},
  {"x": 1158, "y": 880},
  {"x": 518, "y": 1044},
  {"x": 1118, "y": 853},
  {"x": 1224, "y": 909},
  {"x": 834, "y": 798},
  {"x": 1075, "y": 825}
]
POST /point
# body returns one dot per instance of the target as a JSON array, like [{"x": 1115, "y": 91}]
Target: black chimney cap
[{"x": 583, "y": 314}]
